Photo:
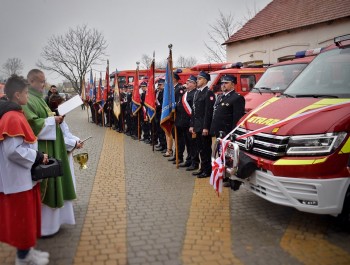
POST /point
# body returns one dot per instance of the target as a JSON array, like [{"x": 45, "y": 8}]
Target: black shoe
[
  {"x": 180, "y": 161},
  {"x": 157, "y": 146},
  {"x": 142, "y": 139},
  {"x": 203, "y": 175},
  {"x": 191, "y": 168},
  {"x": 186, "y": 164},
  {"x": 226, "y": 184},
  {"x": 172, "y": 159},
  {"x": 148, "y": 141},
  {"x": 163, "y": 151},
  {"x": 160, "y": 148},
  {"x": 197, "y": 173},
  {"x": 134, "y": 137}
]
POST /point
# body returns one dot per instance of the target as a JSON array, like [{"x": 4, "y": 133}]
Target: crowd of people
[
  {"x": 31, "y": 131},
  {"x": 199, "y": 116}
]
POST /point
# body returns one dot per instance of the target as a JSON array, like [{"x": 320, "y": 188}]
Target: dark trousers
[
  {"x": 204, "y": 149},
  {"x": 183, "y": 140},
  {"x": 134, "y": 125},
  {"x": 194, "y": 153},
  {"x": 120, "y": 122},
  {"x": 93, "y": 115},
  {"x": 160, "y": 132},
  {"x": 146, "y": 129},
  {"x": 128, "y": 121},
  {"x": 154, "y": 133}
]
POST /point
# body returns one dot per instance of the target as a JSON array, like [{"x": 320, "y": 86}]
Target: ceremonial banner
[
  {"x": 91, "y": 86},
  {"x": 116, "y": 100},
  {"x": 107, "y": 87},
  {"x": 94, "y": 91},
  {"x": 168, "y": 107},
  {"x": 99, "y": 92},
  {"x": 150, "y": 99},
  {"x": 136, "y": 100}
]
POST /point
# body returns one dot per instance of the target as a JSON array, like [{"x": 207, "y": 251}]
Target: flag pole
[
  {"x": 153, "y": 79},
  {"x": 103, "y": 117},
  {"x": 87, "y": 111},
  {"x": 170, "y": 46},
  {"x": 138, "y": 125}
]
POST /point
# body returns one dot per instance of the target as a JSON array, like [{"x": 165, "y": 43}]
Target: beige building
[{"x": 284, "y": 27}]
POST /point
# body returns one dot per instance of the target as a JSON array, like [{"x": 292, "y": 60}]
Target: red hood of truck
[
  {"x": 277, "y": 109},
  {"x": 253, "y": 100}
]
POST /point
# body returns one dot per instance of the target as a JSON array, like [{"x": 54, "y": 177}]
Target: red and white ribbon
[
  {"x": 218, "y": 169},
  {"x": 185, "y": 104}
]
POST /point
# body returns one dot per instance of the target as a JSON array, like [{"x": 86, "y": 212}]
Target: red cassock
[{"x": 20, "y": 213}]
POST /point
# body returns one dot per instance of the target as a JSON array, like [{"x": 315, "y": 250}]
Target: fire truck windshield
[
  {"x": 277, "y": 78},
  {"x": 326, "y": 76}
]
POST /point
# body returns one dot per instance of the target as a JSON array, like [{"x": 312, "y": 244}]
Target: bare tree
[
  {"x": 72, "y": 54},
  {"x": 183, "y": 62},
  {"x": 251, "y": 12},
  {"x": 222, "y": 30},
  {"x": 146, "y": 61},
  {"x": 191, "y": 61},
  {"x": 219, "y": 32},
  {"x": 12, "y": 66},
  {"x": 161, "y": 64}
]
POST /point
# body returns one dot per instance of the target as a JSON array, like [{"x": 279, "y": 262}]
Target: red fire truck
[
  {"x": 128, "y": 76},
  {"x": 246, "y": 77},
  {"x": 293, "y": 150},
  {"x": 276, "y": 79},
  {"x": 185, "y": 73}
]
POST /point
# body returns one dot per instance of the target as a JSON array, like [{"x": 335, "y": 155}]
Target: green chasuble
[{"x": 54, "y": 191}]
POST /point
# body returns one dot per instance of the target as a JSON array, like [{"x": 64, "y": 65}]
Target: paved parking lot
[{"x": 134, "y": 207}]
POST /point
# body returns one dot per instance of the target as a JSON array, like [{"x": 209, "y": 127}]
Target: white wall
[{"x": 270, "y": 48}]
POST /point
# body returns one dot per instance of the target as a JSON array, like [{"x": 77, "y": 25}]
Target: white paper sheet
[{"x": 69, "y": 105}]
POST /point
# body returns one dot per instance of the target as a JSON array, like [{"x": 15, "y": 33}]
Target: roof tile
[{"x": 281, "y": 15}]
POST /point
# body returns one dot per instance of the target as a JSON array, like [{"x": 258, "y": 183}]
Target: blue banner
[{"x": 168, "y": 107}]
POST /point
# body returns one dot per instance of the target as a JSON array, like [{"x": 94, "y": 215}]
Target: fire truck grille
[{"x": 264, "y": 145}]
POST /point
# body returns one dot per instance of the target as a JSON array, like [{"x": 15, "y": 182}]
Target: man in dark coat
[
  {"x": 179, "y": 91},
  {"x": 228, "y": 108},
  {"x": 159, "y": 102},
  {"x": 203, "y": 104},
  {"x": 123, "y": 104},
  {"x": 184, "y": 107},
  {"x": 145, "y": 124}
]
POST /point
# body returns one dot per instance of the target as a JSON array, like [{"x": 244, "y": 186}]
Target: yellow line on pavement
[
  {"x": 208, "y": 232},
  {"x": 7, "y": 254},
  {"x": 103, "y": 237},
  {"x": 305, "y": 240}
]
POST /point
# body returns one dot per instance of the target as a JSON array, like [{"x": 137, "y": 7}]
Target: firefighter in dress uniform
[
  {"x": 179, "y": 91},
  {"x": 228, "y": 109},
  {"x": 162, "y": 146},
  {"x": 203, "y": 104},
  {"x": 184, "y": 108},
  {"x": 145, "y": 124}
]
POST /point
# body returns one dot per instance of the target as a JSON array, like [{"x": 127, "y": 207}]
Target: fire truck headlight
[{"x": 319, "y": 144}]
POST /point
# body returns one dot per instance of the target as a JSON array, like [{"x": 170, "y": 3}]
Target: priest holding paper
[{"x": 56, "y": 193}]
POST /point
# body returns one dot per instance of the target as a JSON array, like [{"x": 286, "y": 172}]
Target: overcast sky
[{"x": 130, "y": 27}]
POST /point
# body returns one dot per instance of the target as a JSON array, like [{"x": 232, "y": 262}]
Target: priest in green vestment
[{"x": 55, "y": 192}]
